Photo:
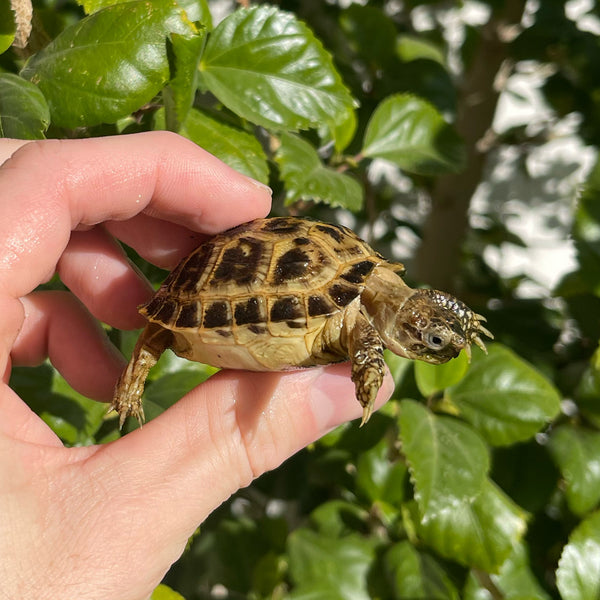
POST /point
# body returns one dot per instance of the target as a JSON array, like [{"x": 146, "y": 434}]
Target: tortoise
[{"x": 288, "y": 292}]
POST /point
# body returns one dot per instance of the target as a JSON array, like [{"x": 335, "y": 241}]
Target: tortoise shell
[{"x": 263, "y": 287}]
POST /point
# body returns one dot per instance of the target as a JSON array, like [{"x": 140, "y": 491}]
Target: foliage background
[{"x": 457, "y": 137}]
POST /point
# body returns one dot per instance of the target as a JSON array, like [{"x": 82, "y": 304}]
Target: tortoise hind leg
[
  {"x": 127, "y": 398},
  {"x": 365, "y": 349}
]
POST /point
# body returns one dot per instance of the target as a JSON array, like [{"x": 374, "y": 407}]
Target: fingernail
[{"x": 260, "y": 186}]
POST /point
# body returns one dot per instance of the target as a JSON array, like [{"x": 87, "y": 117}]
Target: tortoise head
[{"x": 434, "y": 327}]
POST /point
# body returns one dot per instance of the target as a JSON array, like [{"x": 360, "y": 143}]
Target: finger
[
  {"x": 226, "y": 432},
  {"x": 162, "y": 243},
  {"x": 96, "y": 269},
  {"x": 58, "y": 326},
  {"x": 85, "y": 182}
]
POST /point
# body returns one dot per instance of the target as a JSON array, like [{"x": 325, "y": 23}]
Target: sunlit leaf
[
  {"x": 410, "y": 132},
  {"x": 435, "y": 378},
  {"x": 7, "y": 26},
  {"x": 579, "y": 565},
  {"x": 504, "y": 397},
  {"x": 324, "y": 567},
  {"x": 24, "y": 112},
  {"x": 448, "y": 461},
  {"x": 479, "y": 533},
  {"x": 413, "y": 574},
  {"x": 164, "y": 592},
  {"x": 515, "y": 580},
  {"x": 576, "y": 452},
  {"x": 269, "y": 68},
  {"x": 179, "y": 95},
  {"x": 108, "y": 64},
  {"x": 239, "y": 149},
  {"x": 307, "y": 178}
]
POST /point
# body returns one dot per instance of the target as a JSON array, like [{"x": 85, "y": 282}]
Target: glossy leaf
[
  {"x": 179, "y": 95},
  {"x": 306, "y": 178},
  {"x": 268, "y": 67},
  {"x": 170, "y": 387},
  {"x": 164, "y": 592},
  {"x": 108, "y": 64},
  {"x": 504, "y": 397},
  {"x": 576, "y": 452},
  {"x": 24, "y": 112},
  {"x": 579, "y": 565},
  {"x": 515, "y": 580},
  {"x": 379, "y": 477},
  {"x": 328, "y": 568},
  {"x": 448, "y": 461},
  {"x": 413, "y": 574},
  {"x": 239, "y": 149},
  {"x": 479, "y": 533},
  {"x": 7, "y": 26},
  {"x": 411, "y": 133},
  {"x": 435, "y": 378}
]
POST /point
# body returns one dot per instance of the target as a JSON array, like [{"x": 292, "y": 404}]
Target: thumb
[{"x": 218, "y": 438}]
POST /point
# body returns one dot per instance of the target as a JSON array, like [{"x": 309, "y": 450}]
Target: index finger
[{"x": 51, "y": 187}]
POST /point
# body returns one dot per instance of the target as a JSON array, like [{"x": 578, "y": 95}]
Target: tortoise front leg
[
  {"x": 365, "y": 349},
  {"x": 127, "y": 398}
]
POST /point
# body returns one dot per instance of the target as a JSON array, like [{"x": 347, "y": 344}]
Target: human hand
[{"x": 74, "y": 521}]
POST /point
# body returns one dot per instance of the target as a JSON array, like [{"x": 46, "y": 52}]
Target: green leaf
[
  {"x": 411, "y": 133},
  {"x": 329, "y": 568},
  {"x": 435, "y": 378},
  {"x": 504, "y": 397},
  {"x": 180, "y": 93},
  {"x": 579, "y": 565},
  {"x": 268, "y": 67},
  {"x": 515, "y": 580},
  {"x": 239, "y": 149},
  {"x": 8, "y": 27},
  {"x": 588, "y": 390},
  {"x": 409, "y": 47},
  {"x": 24, "y": 113},
  {"x": 338, "y": 518},
  {"x": 73, "y": 417},
  {"x": 413, "y": 574},
  {"x": 576, "y": 452},
  {"x": 164, "y": 592},
  {"x": 306, "y": 178},
  {"x": 197, "y": 10},
  {"x": 479, "y": 533},
  {"x": 586, "y": 231},
  {"x": 448, "y": 461},
  {"x": 378, "y": 477},
  {"x": 170, "y": 385},
  {"x": 108, "y": 64}
]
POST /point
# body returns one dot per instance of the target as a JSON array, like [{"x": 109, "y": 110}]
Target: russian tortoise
[{"x": 284, "y": 292}]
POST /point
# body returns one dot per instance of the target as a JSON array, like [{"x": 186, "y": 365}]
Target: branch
[{"x": 438, "y": 258}]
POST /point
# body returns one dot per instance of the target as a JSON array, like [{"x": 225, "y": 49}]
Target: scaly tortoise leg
[
  {"x": 365, "y": 349},
  {"x": 127, "y": 398}
]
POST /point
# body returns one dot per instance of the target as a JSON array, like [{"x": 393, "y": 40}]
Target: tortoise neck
[{"x": 384, "y": 295}]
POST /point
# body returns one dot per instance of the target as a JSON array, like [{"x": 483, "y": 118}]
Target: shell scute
[{"x": 216, "y": 315}]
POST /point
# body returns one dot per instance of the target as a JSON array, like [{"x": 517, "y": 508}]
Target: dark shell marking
[{"x": 281, "y": 270}]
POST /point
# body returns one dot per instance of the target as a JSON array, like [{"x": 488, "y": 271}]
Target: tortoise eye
[{"x": 433, "y": 340}]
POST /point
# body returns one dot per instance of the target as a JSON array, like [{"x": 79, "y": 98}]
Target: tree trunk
[{"x": 438, "y": 258}]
